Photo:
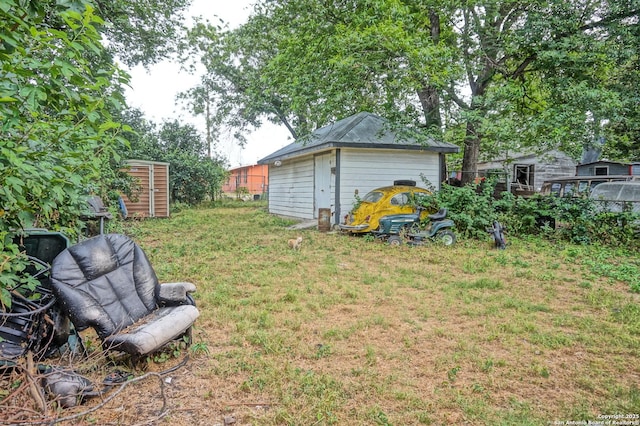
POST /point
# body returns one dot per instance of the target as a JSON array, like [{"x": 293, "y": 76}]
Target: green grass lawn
[{"x": 354, "y": 332}]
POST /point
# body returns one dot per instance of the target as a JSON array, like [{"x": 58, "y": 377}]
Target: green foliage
[
  {"x": 142, "y": 32},
  {"x": 193, "y": 177},
  {"x": 576, "y": 219},
  {"x": 357, "y": 201},
  {"x": 198, "y": 348},
  {"x": 59, "y": 139},
  {"x": 241, "y": 192},
  {"x": 490, "y": 76},
  {"x": 611, "y": 262},
  {"x": 172, "y": 350},
  {"x": 12, "y": 266},
  {"x": 579, "y": 220},
  {"x": 470, "y": 207}
]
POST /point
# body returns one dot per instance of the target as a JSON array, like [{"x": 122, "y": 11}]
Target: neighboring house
[
  {"x": 247, "y": 181},
  {"x": 348, "y": 158},
  {"x": 526, "y": 172},
  {"x": 604, "y": 168}
]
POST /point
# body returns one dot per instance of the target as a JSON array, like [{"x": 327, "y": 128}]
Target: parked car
[
  {"x": 575, "y": 186},
  {"x": 389, "y": 200}
]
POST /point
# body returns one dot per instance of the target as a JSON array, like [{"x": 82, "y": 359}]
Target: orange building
[{"x": 247, "y": 182}]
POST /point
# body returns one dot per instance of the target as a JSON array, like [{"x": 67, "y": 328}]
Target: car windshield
[{"x": 373, "y": 196}]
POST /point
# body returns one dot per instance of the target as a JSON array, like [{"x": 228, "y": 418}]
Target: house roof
[
  {"x": 603, "y": 162},
  {"x": 520, "y": 156},
  {"x": 362, "y": 130},
  {"x": 247, "y": 166}
]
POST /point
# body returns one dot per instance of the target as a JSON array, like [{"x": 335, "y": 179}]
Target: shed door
[
  {"x": 144, "y": 178},
  {"x": 322, "y": 182},
  {"x": 160, "y": 190}
]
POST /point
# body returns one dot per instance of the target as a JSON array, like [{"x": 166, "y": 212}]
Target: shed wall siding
[
  {"x": 292, "y": 185},
  {"x": 153, "y": 196},
  {"x": 142, "y": 206},
  {"x": 161, "y": 190},
  {"x": 552, "y": 165},
  {"x": 364, "y": 170},
  {"x": 291, "y": 188},
  {"x": 561, "y": 167}
]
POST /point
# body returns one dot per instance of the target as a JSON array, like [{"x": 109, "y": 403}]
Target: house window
[
  {"x": 523, "y": 174},
  {"x": 601, "y": 170}
]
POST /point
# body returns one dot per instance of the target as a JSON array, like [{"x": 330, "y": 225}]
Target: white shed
[{"x": 353, "y": 155}]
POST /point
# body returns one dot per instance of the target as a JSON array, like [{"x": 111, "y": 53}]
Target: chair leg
[{"x": 188, "y": 335}]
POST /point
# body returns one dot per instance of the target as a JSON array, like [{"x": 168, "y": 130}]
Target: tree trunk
[
  {"x": 471, "y": 154},
  {"x": 430, "y": 101},
  {"x": 429, "y": 95},
  {"x": 472, "y": 137},
  {"x": 208, "y": 121}
]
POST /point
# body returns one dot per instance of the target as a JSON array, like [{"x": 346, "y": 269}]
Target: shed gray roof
[{"x": 362, "y": 130}]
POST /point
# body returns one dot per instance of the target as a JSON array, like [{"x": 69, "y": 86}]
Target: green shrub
[
  {"x": 470, "y": 207},
  {"x": 579, "y": 220}
]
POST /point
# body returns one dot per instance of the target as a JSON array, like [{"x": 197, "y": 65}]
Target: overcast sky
[{"x": 154, "y": 91}]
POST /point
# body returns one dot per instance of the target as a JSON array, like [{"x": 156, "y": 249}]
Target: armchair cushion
[{"x": 156, "y": 330}]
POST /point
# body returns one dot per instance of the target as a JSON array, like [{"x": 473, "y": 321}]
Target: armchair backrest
[{"x": 105, "y": 282}]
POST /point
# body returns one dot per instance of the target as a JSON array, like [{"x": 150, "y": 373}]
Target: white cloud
[{"x": 154, "y": 91}]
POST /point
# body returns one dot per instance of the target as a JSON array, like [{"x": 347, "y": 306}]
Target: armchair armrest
[{"x": 176, "y": 293}]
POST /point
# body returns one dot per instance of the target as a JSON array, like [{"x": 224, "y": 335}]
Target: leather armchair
[{"x": 107, "y": 283}]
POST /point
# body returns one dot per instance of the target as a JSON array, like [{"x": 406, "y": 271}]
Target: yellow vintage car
[{"x": 388, "y": 200}]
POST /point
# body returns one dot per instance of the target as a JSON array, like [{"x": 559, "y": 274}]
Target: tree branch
[{"x": 456, "y": 99}]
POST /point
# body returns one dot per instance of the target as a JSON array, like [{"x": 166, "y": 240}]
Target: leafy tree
[
  {"x": 301, "y": 64},
  {"x": 232, "y": 94},
  {"x": 58, "y": 136},
  {"x": 194, "y": 176},
  {"x": 496, "y": 75},
  {"x": 143, "y": 139},
  {"x": 142, "y": 32}
]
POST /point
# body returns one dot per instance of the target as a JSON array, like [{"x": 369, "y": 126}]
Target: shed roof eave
[{"x": 449, "y": 149}]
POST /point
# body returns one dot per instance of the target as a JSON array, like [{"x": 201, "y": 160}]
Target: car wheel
[
  {"x": 394, "y": 240},
  {"x": 446, "y": 237}
]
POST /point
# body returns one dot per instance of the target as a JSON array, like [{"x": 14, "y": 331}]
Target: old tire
[
  {"x": 446, "y": 237},
  {"x": 394, "y": 240}
]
